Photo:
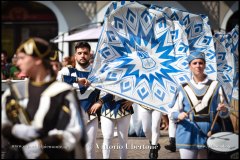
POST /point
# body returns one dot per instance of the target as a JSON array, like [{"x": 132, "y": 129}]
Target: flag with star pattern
[{"x": 141, "y": 54}]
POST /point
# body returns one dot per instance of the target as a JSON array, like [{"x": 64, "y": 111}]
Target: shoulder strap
[
  {"x": 52, "y": 90},
  {"x": 206, "y": 98},
  {"x": 210, "y": 91},
  {"x": 193, "y": 98}
]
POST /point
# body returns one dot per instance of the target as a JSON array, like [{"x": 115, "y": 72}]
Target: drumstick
[
  {"x": 214, "y": 121},
  {"x": 191, "y": 109}
]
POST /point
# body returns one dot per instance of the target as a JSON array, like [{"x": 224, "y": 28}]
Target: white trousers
[
  {"x": 171, "y": 128},
  {"x": 90, "y": 146},
  {"x": 107, "y": 126},
  {"x": 151, "y": 120},
  {"x": 193, "y": 154}
]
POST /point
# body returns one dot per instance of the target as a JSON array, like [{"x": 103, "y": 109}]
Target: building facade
[{"x": 48, "y": 19}]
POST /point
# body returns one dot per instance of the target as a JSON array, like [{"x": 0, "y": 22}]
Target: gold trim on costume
[
  {"x": 41, "y": 83},
  {"x": 198, "y": 145},
  {"x": 66, "y": 109},
  {"x": 54, "y": 57},
  {"x": 145, "y": 107}
]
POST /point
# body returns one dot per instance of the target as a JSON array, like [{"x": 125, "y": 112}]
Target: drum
[{"x": 223, "y": 145}]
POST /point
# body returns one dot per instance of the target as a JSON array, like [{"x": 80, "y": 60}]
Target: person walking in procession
[
  {"x": 197, "y": 104},
  {"x": 40, "y": 116}
]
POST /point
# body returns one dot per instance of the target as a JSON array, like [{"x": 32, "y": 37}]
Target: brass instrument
[{"x": 15, "y": 112}]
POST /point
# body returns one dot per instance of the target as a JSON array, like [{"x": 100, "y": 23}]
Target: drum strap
[{"x": 205, "y": 100}]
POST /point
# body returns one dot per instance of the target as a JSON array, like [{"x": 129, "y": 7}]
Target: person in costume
[
  {"x": 87, "y": 95},
  {"x": 115, "y": 111},
  {"x": 151, "y": 128},
  {"x": 40, "y": 116},
  {"x": 171, "y": 133},
  {"x": 172, "y": 130},
  {"x": 196, "y": 106}
]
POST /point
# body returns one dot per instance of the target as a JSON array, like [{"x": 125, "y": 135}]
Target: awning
[{"x": 87, "y": 34}]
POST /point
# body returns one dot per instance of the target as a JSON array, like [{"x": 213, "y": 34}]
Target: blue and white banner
[
  {"x": 199, "y": 35},
  {"x": 141, "y": 54},
  {"x": 226, "y": 45}
]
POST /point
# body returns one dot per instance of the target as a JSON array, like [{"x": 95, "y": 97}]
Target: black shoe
[
  {"x": 153, "y": 154},
  {"x": 172, "y": 146}
]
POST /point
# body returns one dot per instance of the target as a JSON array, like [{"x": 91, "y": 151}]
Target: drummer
[{"x": 195, "y": 108}]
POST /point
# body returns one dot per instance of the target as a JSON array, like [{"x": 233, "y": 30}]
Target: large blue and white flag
[
  {"x": 226, "y": 45},
  {"x": 141, "y": 55},
  {"x": 235, "y": 50},
  {"x": 199, "y": 35}
]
